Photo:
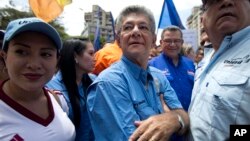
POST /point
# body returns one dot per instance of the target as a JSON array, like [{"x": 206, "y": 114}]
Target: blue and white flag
[
  {"x": 169, "y": 16},
  {"x": 109, "y": 39},
  {"x": 113, "y": 24}
]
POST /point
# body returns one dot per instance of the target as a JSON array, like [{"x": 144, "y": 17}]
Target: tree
[
  {"x": 9, "y": 14},
  {"x": 102, "y": 39}
]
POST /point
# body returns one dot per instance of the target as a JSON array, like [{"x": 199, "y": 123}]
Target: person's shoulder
[
  {"x": 103, "y": 51},
  {"x": 92, "y": 76},
  {"x": 56, "y": 82},
  {"x": 115, "y": 70},
  {"x": 187, "y": 60},
  {"x": 158, "y": 76},
  {"x": 108, "y": 53},
  {"x": 155, "y": 71},
  {"x": 155, "y": 59}
]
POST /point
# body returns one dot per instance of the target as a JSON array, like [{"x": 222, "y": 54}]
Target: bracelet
[{"x": 182, "y": 124}]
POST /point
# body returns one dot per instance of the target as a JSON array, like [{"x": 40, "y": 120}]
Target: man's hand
[{"x": 156, "y": 128}]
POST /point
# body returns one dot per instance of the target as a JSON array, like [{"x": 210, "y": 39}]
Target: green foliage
[
  {"x": 102, "y": 39},
  {"x": 92, "y": 37},
  {"x": 9, "y": 14}
]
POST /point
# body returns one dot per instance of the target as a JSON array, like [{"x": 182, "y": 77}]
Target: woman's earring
[{"x": 76, "y": 61}]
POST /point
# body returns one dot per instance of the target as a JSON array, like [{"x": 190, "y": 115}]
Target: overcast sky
[{"x": 73, "y": 15}]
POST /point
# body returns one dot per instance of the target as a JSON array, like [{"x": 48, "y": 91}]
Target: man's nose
[{"x": 136, "y": 31}]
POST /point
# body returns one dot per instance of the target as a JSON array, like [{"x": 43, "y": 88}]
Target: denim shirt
[
  {"x": 122, "y": 94},
  {"x": 84, "y": 131}
]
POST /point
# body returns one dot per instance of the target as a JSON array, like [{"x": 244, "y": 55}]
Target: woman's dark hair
[{"x": 66, "y": 65}]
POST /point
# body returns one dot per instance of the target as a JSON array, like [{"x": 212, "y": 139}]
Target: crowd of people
[{"x": 131, "y": 89}]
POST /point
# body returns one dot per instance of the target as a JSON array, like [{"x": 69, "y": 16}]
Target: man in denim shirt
[{"x": 124, "y": 99}]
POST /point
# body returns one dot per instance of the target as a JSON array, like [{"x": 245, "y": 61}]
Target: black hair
[
  {"x": 171, "y": 28},
  {"x": 66, "y": 65}
]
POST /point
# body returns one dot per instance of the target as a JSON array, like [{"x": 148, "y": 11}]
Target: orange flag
[{"x": 48, "y": 10}]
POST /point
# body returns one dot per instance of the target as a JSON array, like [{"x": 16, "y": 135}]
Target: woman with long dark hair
[{"x": 72, "y": 80}]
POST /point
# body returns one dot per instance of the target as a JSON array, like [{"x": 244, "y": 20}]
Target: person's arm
[
  {"x": 174, "y": 104},
  {"x": 111, "y": 111},
  {"x": 164, "y": 105}
]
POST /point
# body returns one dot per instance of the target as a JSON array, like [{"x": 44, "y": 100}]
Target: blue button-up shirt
[
  {"x": 221, "y": 94},
  {"x": 84, "y": 131},
  {"x": 181, "y": 77},
  {"x": 125, "y": 93}
]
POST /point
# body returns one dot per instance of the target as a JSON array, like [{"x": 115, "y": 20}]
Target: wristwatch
[{"x": 182, "y": 124}]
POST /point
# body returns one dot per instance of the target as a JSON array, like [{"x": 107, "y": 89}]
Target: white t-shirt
[{"x": 18, "y": 123}]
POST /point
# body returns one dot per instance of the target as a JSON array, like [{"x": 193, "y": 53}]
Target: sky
[{"x": 73, "y": 15}]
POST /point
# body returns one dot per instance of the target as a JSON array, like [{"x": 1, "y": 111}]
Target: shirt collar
[
  {"x": 137, "y": 71},
  {"x": 231, "y": 40},
  {"x": 238, "y": 36}
]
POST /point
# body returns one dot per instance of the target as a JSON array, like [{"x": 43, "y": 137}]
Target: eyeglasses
[
  {"x": 171, "y": 41},
  {"x": 141, "y": 27}
]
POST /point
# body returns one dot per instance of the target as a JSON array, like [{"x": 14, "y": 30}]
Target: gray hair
[
  {"x": 135, "y": 9},
  {"x": 171, "y": 28}
]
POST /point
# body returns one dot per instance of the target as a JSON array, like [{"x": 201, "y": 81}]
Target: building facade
[
  {"x": 99, "y": 17},
  {"x": 194, "y": 21}
]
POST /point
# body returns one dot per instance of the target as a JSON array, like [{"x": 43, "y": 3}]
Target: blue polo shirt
[
  {"x": 125, "y": 93},
  {"x": 181, "y": 77}
]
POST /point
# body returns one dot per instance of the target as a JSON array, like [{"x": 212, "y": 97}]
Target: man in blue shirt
[
  {"x": 178, "y": 69},
  {"x": 124, "y": 101},
  {"x": 221, "y": 94}
]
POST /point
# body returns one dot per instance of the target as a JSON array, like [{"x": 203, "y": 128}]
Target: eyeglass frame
[{"x": 171, "y": 41}]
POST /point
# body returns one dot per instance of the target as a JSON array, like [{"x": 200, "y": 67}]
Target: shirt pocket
[
  {"x": 143, "y": 110},
  {"x": 222, "y": 100}
]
